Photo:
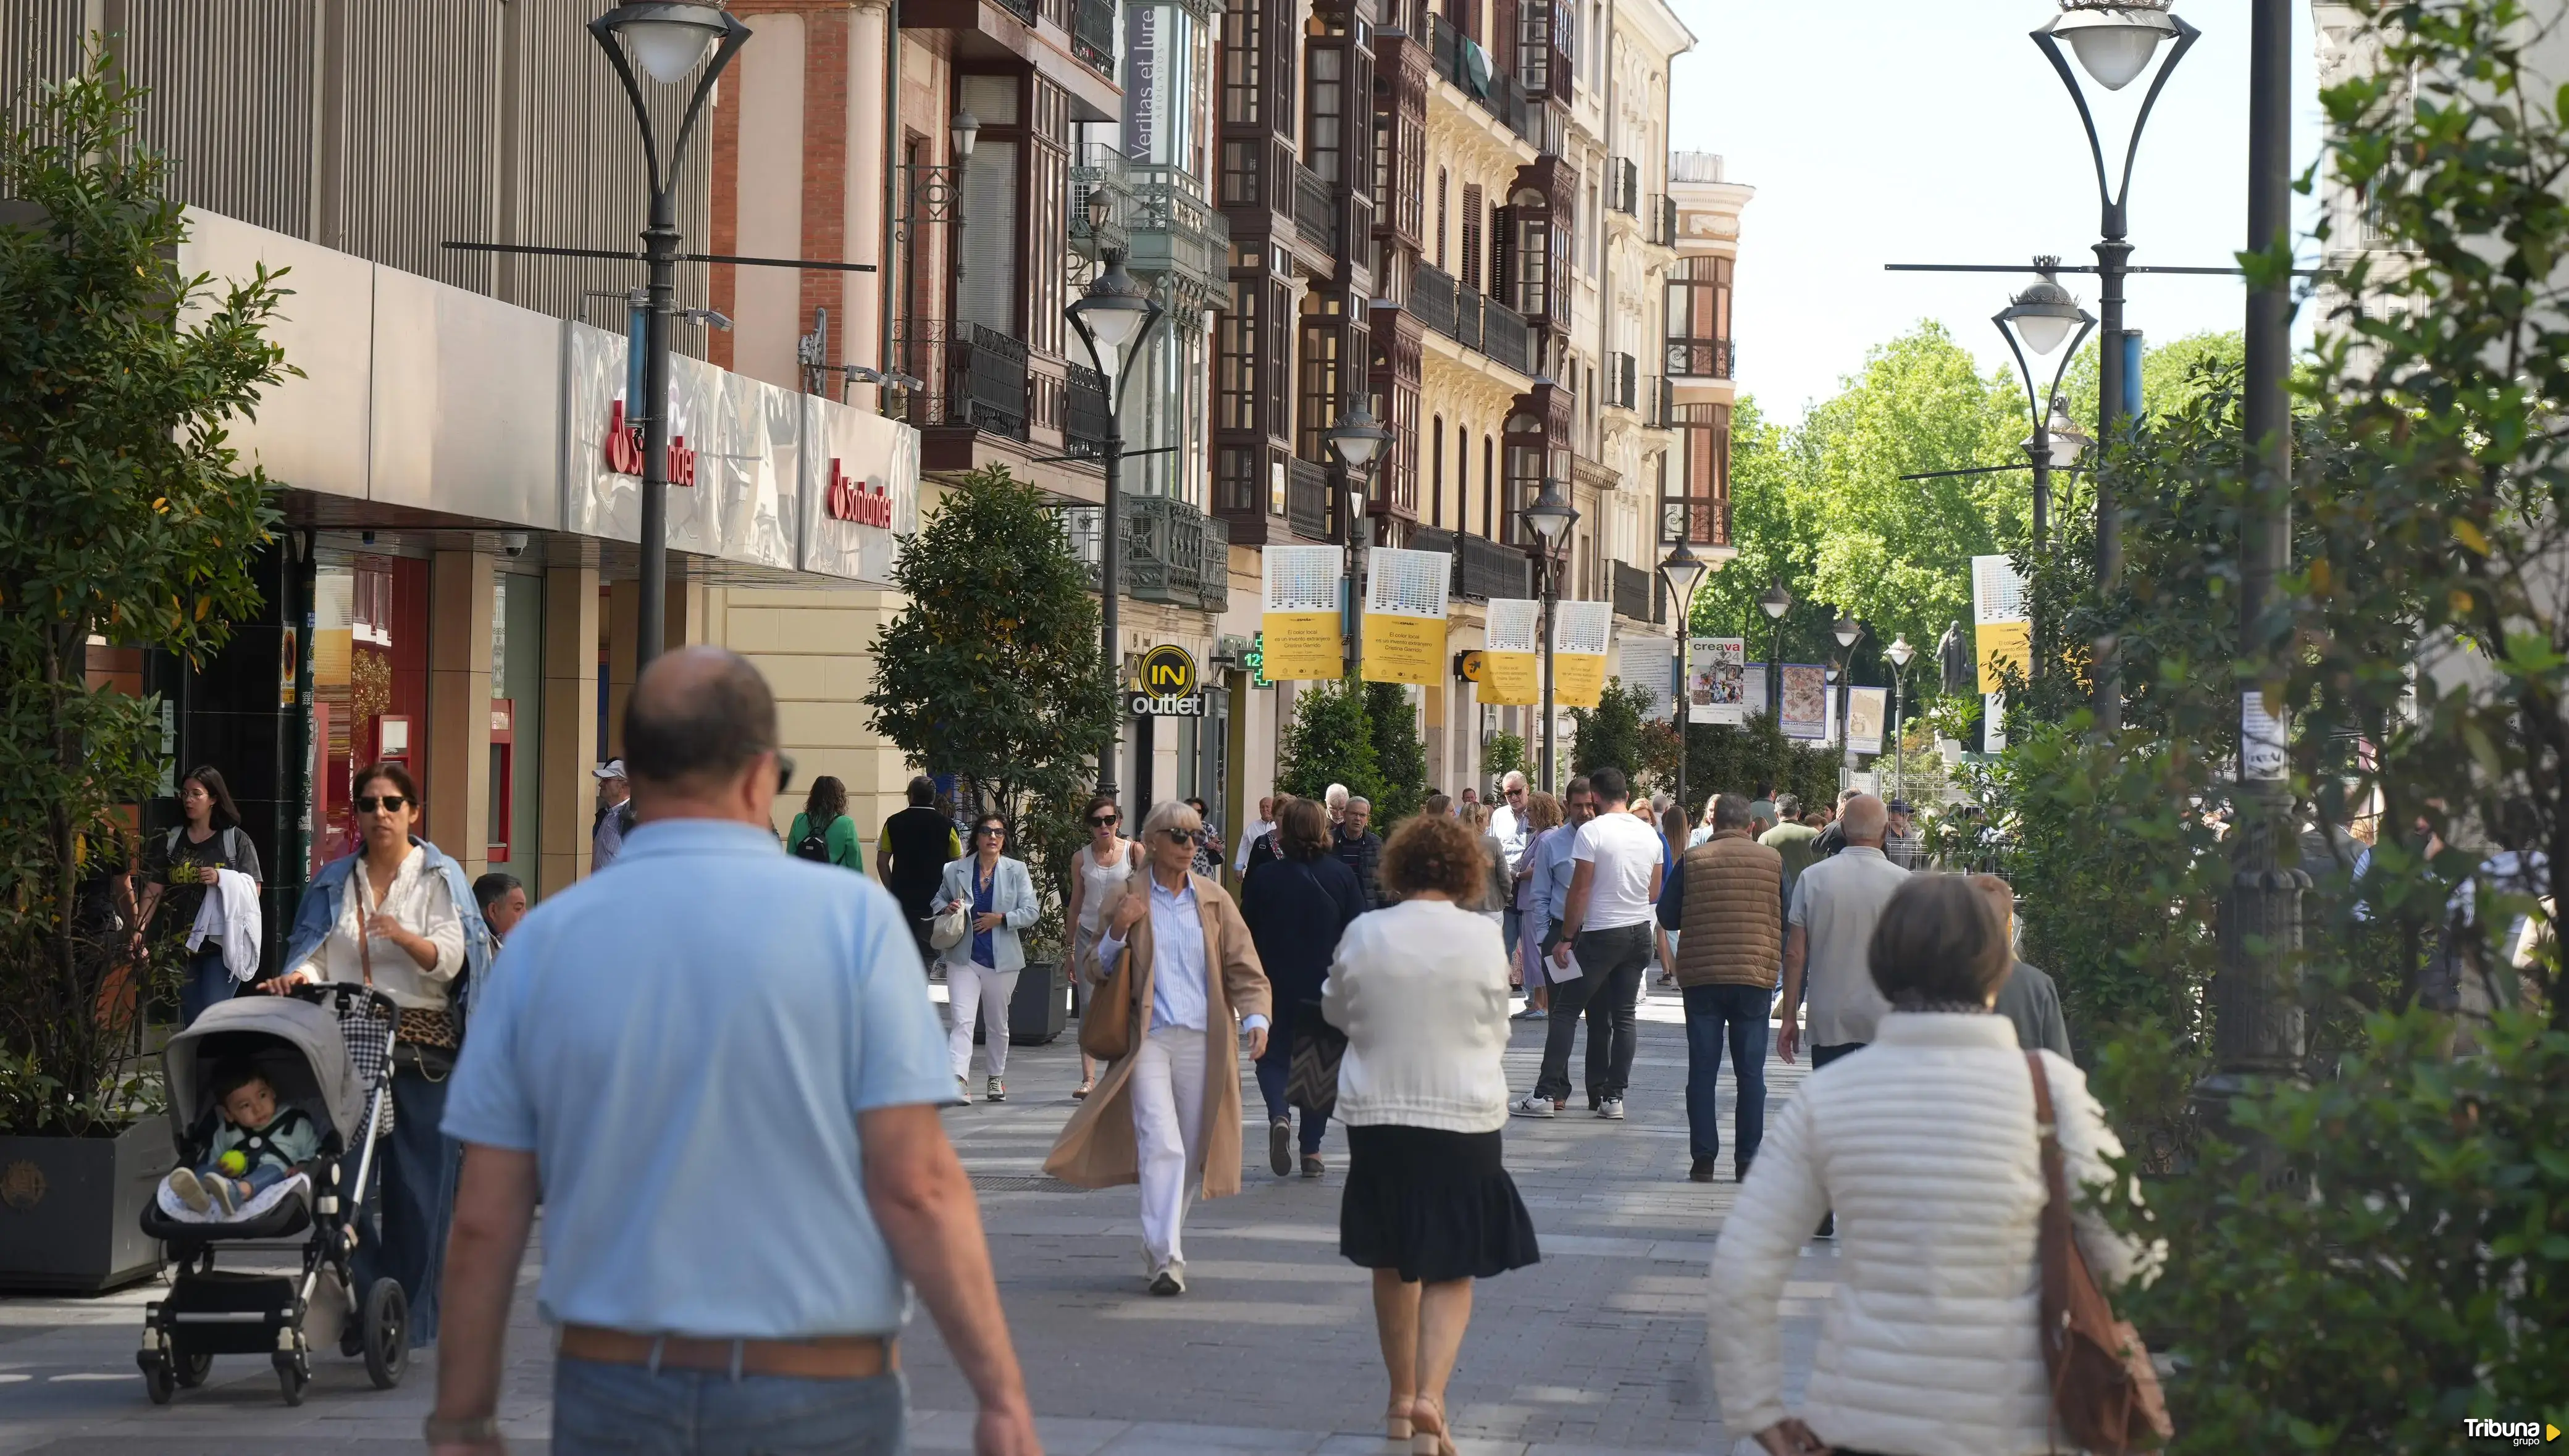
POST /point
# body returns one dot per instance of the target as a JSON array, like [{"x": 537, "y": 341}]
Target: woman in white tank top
[{"x": 1105, "y": 863}]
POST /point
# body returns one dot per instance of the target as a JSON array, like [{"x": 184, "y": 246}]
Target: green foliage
[
  {"x": 1330, "y": 742},
  {"x": 1610, "y": 735},
  {"x": 990, "y": 670},
  {"x": 1504, "y": 754},
  {"x": 1721, "y": 759},
  {"x": 1399, "y": 754},
  {"x": 122, "y": 513}
]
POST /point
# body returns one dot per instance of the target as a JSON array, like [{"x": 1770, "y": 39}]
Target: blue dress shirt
[{"x": 1178, "y": 996}]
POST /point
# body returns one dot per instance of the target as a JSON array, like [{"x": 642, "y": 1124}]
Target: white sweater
[
  {"x": 1924, "y": 1144},
  {"x": 1421, "y": 990}
]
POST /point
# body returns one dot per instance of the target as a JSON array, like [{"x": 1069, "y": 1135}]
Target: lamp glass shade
[
  {"x": 668, "y": 49},
  {"x": 1776, "y": 603},
  {"x": 1550, "y": 516},
  {"x": 2043, "y": 333},
  {"x": 965, "y": 128},
  {"x": 2115, "y": 46},
  {"x": 1112, "y": 320},
  {"x": 1682, "y": 570},
  {"x": 1095, "y": 208},
  {"x": 1847, "y": 630},
  {"x": 1899, "y": 651},
  {"x": 1355, "y": 439}
]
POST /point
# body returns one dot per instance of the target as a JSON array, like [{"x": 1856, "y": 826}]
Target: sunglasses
[
  {"x": 1516, "y": 793},
  {"x": 993, "y": 830},
  {"x": 392, "y": 803},
  {"x": 1101, "y": 821},
  {"x": 1179, "y": 836}
]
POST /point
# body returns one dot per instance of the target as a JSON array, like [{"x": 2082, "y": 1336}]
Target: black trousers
[{"x": 1608, "y": 990}]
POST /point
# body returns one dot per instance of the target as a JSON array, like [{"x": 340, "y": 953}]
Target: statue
[{"x": 1954, "y": 658}]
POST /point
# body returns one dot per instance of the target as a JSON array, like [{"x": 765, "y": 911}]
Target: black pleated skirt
[{"x": 1433, "y": 1205}]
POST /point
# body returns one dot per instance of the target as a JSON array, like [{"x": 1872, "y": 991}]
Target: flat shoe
[
  {"x": 1279, "y": 1147},
  {"x": 1312, "y": 1166},
  {"x": 190, "y": 1193},
  {"x": 1080, "y": 1092}
]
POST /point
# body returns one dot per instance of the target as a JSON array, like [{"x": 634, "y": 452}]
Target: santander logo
[
  {"x": 624, "y": 449},
  {"x": 851, "y": 499}
]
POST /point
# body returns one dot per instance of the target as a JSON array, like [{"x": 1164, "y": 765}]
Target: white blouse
[{"x": 421, "y": 901}]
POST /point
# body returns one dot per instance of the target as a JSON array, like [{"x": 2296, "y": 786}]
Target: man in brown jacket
[{"x": 1726, "y": 897}]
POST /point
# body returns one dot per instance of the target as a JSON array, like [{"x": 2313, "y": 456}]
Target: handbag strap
[
  {"x": 2054, "y": 1246},
  {"x": 365, "y": 935}
]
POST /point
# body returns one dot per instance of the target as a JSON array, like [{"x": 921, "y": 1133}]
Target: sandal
[
  {"x": 1080, "y": 1092},
  {"x": 1427, "y": 1428},
  {"x": 1395, "y": 1420}
]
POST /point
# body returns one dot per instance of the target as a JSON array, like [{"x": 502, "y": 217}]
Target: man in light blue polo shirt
[{"x": 721, "y": 1068}]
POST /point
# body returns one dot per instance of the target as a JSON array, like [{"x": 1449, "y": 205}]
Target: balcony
[
  {"x": 1083, "y": 421},
  {"x": 1662, "y": 214},
  {"x": 1460, "y": 60},
  {"x": 1098, "y": 170},
  {"x": 1092, "y": 35},
  {"x": 976, "y": 375},
  {"x": 1313, "y": 213},
  {"x": 1176, "y": 231},
  {"x": 1698, "y": 521},
  {"x": 1471, "y": 319},
  {"x": 1633, "y": 594},
  {"x": 1483, "y": 569},
  {"x": 1658, "y": 404},
  {"x": 1173, "y": 553},
  {"x": 1700, "y": 359},
  {"x": 1306, "y": 499},
  {"x": 1623, "y": 186}
]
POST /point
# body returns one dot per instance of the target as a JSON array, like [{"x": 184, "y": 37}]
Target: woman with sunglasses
[
  {"x": 982, "y": 969},
  {"x": 1104, "y": 864},
  {"x": 399, "y": 916}
]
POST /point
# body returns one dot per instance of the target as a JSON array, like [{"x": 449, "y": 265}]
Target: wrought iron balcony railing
[
  {"x": 1661, "y": 216},
  {"x": 1092, "y": 35},
  {"x": 975, "y": 375},
  {"x": 1173, "y": 553},
  {"x": 1462, "y": 61},
  {"x": 1174, "y": 231},
  {"x": 1083, "y": 419},
  {"x": 1483, "y": 569},
  {"x": 1701, "y": 358},
  {"x": 1313, "y": 213},
  {"x": 1471, "y": 319}
]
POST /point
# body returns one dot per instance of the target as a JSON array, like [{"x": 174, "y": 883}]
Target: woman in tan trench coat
[{"x": 1166, "y": 1114}]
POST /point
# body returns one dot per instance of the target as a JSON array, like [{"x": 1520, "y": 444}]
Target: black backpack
[{"x": 815, "y": 843}]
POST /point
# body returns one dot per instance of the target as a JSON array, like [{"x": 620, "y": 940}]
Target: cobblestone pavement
[{"x": 1597, "y": 1350}]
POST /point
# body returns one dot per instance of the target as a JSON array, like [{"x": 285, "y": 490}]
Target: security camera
[{"x": 515, "y": 542}]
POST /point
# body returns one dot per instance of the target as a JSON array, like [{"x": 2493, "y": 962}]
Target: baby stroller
[{"x": 310, "y": 1045}]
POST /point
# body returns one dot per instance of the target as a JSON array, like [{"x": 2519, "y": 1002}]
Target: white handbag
[{"x": 953, "y": 927}]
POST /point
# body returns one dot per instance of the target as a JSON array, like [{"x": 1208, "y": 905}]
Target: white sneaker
[
  {"x": 1612, "y": 1107},
  {"x": 963, "y": 1090},
  {"x": 996, "y": 1091},
  {"x": 1535, "y": 1104},
  {"x": 190, "y": 1193},
  {"x": 1170, "y": 1280}
]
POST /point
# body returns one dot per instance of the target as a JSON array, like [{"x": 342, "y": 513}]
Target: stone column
[
  {"x": 623, "y": 630},
  {"x": 458, "y": 781},
  {"x": 569, "y": 747}
]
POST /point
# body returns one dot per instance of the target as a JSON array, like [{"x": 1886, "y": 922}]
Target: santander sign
[
  {"x": 853, "y": 500},
  {"x": 624, "y": 449}
]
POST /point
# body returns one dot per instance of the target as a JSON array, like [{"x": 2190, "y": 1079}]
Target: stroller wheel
[
  {"x": 156, "y": 1380},
  {"x": 387, "y": 1334},
  {"x": 194, "y": 1368},
  {"x": 291, "y": 1377}
]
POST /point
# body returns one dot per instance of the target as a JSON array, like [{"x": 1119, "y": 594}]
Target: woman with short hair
[
  {"x": 982, "y": 969},
  {"x": 1421, "y": 990},
  {"x": 1295, "y": 908},
  {"x": 1926, "y": 1146}
]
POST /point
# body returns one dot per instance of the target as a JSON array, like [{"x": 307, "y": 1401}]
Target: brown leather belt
[{"x": 830, "y": 1357}]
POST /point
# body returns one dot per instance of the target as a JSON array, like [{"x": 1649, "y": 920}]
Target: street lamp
[
  {"x": 1776, "y": 603},
  {"x": 669, "y": 40},
  {"x": 1683, "y": 571},
  {"x": 2114, "y": 43},
  {"x": 1846, "y": 630},
  {"x": 1112, "y": 319},
  {"x": 1898, "y": 652},
  {"x": 2038, "y": 321},
  {"x": 1550, "y": 516},
  {"x": 1357, "y": 443}
]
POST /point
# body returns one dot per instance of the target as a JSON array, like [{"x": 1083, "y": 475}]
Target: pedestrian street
[{"x": 1599, "y": 1349}]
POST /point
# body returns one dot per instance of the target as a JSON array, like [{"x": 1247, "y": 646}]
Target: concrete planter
[
  {"x": 71, "y": 1209},
  {"x": 1038, "y": 1010}
]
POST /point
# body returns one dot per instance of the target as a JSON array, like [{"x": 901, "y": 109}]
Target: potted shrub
[{"x": 123, "y": 517}]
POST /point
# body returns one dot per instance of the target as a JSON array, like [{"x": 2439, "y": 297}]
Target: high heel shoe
[
  {"x": 1395, "y": 1421},
  {"x": 1427, "y": 1428}
]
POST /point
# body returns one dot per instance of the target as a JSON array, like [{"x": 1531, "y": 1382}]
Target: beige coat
[{"x": 1096, "y": 1149}]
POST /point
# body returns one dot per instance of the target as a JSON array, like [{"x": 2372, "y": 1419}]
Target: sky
[{"x": 1877, "y": 132}]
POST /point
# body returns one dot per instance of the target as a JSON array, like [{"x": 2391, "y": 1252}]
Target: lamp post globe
[
  {"x": 1899, "y": 651},
  {"x": 2114, "y": 42},
  {"x": 1847, "y": 630},
  {"x": 962, "y": 129},
  {"x": 668, "y": 39},
  {"x": 1550, "y": 516},
  {"x": 1775, "y": 602},
  {"x": 1683, "y": 571},
  {"x": 1355, "y": 439},
  {"x": 2043, "y": 317}
]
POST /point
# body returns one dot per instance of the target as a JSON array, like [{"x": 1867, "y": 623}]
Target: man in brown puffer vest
[{"x": 1726, "y": 899}]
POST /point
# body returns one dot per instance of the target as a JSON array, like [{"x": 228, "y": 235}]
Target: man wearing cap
[
  {"x": 1902, "y": 844},
  {"x": 614, "y": 815}
]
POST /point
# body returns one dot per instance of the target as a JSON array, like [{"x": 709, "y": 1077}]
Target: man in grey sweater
[{"x": 2028, "y": 997}]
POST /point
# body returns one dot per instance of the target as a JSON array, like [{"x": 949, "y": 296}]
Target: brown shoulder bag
[
  {"x": 1106, "y": 1026},
  {"x": 2105, "y": 1394}
]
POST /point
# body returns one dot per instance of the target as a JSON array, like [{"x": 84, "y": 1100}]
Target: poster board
[
  {"x": 1511, "y": 653},
  {"x": 1718, "y": 691},
  {"x": 1405, "y": 615},
  {"x": 2003, "y": 627},
  {"x": 1806, "y": 701},
  {"x": 1867, "y": 707},
  {"x": 1301, "y": 620},
  {"x": 1580, "y": 633}
]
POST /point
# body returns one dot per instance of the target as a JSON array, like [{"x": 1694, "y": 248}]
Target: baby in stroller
[{"x": 257, "y": 1147}]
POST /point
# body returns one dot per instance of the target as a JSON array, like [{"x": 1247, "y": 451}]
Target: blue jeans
[
  {"x": 1275, "y": 1067},
  {"x": 626, "y": 1410},
  {"x": 1717, "y": 1015},
  {"x": 204, "y": 981},
  {"x": 260, "y": 1178},
  {"x": 405, "y": 1213}
]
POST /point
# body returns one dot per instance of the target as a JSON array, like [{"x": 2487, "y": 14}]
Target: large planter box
[{"x": 71, "y": 1209}]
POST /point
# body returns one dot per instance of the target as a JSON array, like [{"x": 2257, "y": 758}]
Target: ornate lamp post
[
  {"x": 1550, "y": 516},
  {"x": 669, "y": 40},
  {"x": 1683, "y": 571},
  {"x": 1112, "y": 319},
  {"x": 1776, "y": 603},
  {"x": 1357, "y": 442},
  {"x": 1846, "y": 631},
  {"x": 1898, "y": 652}
]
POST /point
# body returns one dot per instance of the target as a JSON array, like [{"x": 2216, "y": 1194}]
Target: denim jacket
[{"x": 319, "y": 911}]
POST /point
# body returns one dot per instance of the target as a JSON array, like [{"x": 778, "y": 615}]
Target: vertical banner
[
  {"x": 1866, "y": 708},
  {"x": 1720, "y": 690},
  {"x": 1758, "y": 693},
  {"x": 1300, "y": 622},
  {"x": 1580, "y": 633},
  {"x": 1405, "y": 615},
  {"x": 2002, "y": 633},
  {"x": 1511, "y": 654},
  {"x": 1806, "y": 700}
]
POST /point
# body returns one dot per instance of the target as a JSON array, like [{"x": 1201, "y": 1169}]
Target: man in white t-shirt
[
  {"x": 1258, "y": 829},
  {"x": 1508, "y": 822},
  {"x": 1613, "y": 892}
]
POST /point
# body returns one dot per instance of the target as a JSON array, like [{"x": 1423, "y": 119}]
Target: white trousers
[
  {"x": 1168, "y": 1132},
  {"x": 975, "y": 992}
]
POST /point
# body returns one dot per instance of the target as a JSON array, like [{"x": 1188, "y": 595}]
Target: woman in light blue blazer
[{"x": 982, "y": 969}]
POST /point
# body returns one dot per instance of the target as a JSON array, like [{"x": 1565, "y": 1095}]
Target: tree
[
  {"x": 1503, "y": 755},
  {"x": 123, "y": 513},
  {"x": 990, "y": 670},
  {"x": 1610, "y": 735},
  {"x": 1330, "y": 742},
  {"x": 1399, "y": 755}
]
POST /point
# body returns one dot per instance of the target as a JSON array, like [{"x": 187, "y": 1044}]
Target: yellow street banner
[
  {"x": 1405, "y": 615},
  {"x": 1512, "y": 657},
  {"x": 2003, "y": 626},
  {"x": 1303, "y": 640},
  {"x": 1580, "y": 633},
  {"x": 2003, "y": 645}
]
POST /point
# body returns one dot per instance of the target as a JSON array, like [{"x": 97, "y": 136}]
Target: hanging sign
[
  {"x": 1580, "y": 633},
  {"x": 1511, "y": 653},
  {"x": 1806, "y": 700},
  {"x": 1300, "y": 624},
  {"x": 1405, "y": 615},
  {"x": 1720, "y": 690},
  {"x": 2003, "y": 635},
  {"x": 1866, "y": 709},
  {"x": 1167, "y": 684}
]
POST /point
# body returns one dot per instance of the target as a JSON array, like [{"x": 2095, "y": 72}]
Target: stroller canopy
[{"x": 296, "y": 1044}]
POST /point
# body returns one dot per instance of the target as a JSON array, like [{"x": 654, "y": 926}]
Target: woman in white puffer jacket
[{"x": 1923, "y": 1142}]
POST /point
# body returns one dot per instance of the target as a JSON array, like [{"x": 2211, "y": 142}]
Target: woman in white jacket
[
  {"x": 1923, "y": 1142},
  {"x": 1421, "y": 990}
]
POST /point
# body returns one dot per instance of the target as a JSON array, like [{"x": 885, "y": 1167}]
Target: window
[
  {"x": 1240, "y": 172},
  {"x": 1329, "y": 107},
  {"x": 1436, "y": 471},
  {"x": 1472, "y": 210},
  {"x": 1241, "y": 34},
  {"x": 1489, "y": 482},
  {"x": 1236, "y": 482},
  {"x": 1698, "y": 340},
  {"x": 1440, "y": 217},
  {"x": 1325, "y": 334},
  {"x": 1706, "y": 486},
  {"x": 1235, "y": 379}
]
